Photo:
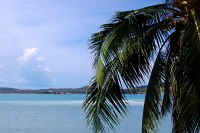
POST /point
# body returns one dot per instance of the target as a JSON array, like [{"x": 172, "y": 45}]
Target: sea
[{"x": 48, "y": 113}]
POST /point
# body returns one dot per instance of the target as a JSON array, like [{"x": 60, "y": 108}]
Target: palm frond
[
  {"x": 104, "y": 107},
  {"x": 152, "y": 104},
  {"x": 122, "y": 53},
  {"x": 188, "y": 110},
  {"x": 167, "y": 94}
]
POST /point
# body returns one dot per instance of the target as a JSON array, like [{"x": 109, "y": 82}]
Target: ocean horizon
[{"x": 39, "y": 113}]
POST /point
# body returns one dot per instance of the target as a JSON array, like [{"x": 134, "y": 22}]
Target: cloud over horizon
[
  {"x": 45, "y": 42},
  {"x": 33, "y": 69},
  {"x": 30, "y": 71}
]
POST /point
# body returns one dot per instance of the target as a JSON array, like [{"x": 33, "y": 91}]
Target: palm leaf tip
[{"x": 103, "y": 110}]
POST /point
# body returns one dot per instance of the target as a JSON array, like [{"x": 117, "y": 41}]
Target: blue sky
[{"x": 44, "y": 43}]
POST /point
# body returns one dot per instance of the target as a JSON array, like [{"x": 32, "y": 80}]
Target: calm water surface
[{"x": 33, "y": 113}]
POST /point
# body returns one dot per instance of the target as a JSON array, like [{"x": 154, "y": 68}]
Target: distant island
[{"x": 81, "y": 90}]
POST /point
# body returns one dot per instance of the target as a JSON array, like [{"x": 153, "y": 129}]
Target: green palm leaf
[
  {"x": 165, "y": 35},
  {"x": 122, "y": 54},
  {"x": 189, "y": 94}
]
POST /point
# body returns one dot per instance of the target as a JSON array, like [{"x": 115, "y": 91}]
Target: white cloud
[
  {"x": 30, "y": 71},
  {"x": 32, "y": 68},
  {"x": 29, "y": 53},
  {"x": 40, "y": 58},
  {"x": 47, "y": 69},
  {"x": 32, "y": 59}
]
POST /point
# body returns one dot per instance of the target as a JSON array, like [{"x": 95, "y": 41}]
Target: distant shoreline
[{"x": 81, "y": 90}]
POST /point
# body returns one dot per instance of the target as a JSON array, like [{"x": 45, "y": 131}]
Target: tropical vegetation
[{"x": 161, "y": 42}]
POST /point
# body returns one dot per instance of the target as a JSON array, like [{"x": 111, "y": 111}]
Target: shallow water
[{"x": 33, "y": 113}]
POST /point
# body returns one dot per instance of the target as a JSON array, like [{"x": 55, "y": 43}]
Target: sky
[{"x": 44, "y": 43}]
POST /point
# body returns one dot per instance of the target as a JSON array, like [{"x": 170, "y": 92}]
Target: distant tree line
[{"x": 81, "y": 90}]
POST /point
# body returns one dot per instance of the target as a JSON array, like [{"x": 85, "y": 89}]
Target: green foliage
[{"x": 161, "y": 41}]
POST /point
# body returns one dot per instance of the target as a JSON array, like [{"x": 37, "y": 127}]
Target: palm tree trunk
[{"x": 174, "y": 111}]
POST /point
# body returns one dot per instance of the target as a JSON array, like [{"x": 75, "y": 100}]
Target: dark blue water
[{"x": 33, "y": 113}]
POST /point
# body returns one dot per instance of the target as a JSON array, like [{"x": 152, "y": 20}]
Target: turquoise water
[{"x": 37, "y": 113}]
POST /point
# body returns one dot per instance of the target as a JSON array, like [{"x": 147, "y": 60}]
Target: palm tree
[{"x": 161, "y": 42}]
